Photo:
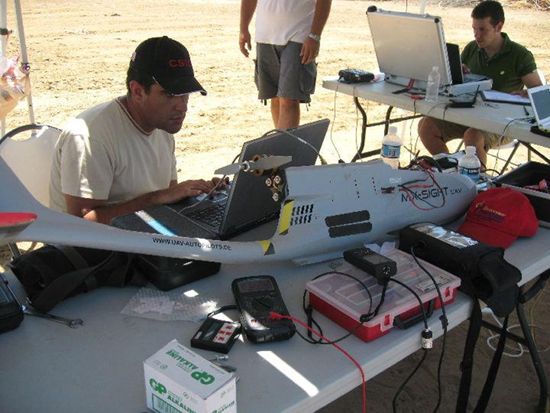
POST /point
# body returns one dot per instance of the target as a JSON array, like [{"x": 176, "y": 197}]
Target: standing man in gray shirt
[{"x": 288, "y": 38}]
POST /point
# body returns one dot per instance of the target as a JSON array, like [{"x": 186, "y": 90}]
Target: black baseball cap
[{"x": 168, "y": 63}]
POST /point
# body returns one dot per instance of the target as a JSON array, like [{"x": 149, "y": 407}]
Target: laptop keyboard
[{"x": 211, "y": 215}]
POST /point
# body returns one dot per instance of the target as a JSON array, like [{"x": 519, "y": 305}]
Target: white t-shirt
[
  {"x": 281, "y": 21},
  {"x": 103, "y": 155}
]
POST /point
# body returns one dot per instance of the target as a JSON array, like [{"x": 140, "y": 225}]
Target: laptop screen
[
  {"x": 540, "y": 101},
  {"x": 455, "y": 63},
  {"x": 408, "y": 45},
  {"x": 250, "y": 200}
]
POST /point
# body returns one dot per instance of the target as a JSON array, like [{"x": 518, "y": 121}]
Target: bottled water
[
  {"x": 469, "y": 165},
  {"x": 391, "y": 148},
  {"x": 432, "y": 86}
]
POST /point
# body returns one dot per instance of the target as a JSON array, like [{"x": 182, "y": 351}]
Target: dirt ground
[{"x": 79, "y": 51}]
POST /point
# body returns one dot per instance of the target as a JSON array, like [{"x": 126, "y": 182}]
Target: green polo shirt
[{"x": 506, "y": 67}]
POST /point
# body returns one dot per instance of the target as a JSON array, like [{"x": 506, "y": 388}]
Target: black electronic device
[
  {"x": 257, "y": 297},
  {"x": 382, "y": 268},
  {"x": 467, "y": 100},
  {"x": 11, "y": 313},
  {"x": 216, "y": 335},
  {"x": 355, "y": 76},
  {"x": 446, "y": 162},
  {"x": 484, "y": 272}
]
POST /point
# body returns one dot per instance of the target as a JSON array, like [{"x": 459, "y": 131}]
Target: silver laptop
[
  {"x": 540, "y": 102},
  {"x": 247, "y": 202},
  {"x": 408, "y": 45}
]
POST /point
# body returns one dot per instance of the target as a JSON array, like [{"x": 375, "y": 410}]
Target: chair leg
[
  {"x": 509, "y": 159},
  {"x": 14, "y": 250}
]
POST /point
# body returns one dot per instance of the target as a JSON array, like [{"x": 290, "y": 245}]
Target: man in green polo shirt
[{"x": 511, "y": 66}]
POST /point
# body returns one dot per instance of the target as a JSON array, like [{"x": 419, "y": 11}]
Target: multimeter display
[
  {"x": 256, "y": 298},
  {"x": 255, "y": 284}
]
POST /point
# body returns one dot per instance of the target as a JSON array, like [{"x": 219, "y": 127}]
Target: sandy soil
[{"x": 79, "y": 51}]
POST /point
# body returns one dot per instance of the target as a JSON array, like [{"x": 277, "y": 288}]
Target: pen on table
[{"x": 526, "y": 111}]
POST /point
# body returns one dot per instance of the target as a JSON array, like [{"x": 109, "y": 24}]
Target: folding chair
[{"x": 28, "y": 151}]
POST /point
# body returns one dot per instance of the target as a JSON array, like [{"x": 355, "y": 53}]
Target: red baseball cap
[{"x": 499, "y": 216}]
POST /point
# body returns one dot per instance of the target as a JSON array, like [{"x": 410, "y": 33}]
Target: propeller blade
[
  {"x": 270, "y": 162},
  {"x": 230, "y": 169}
]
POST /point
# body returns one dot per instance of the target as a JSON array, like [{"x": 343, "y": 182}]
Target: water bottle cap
[
  {"x": 470, "y": 150},
  {"x": 436, "y": 68},
  {"x": 392, "y": 130}
]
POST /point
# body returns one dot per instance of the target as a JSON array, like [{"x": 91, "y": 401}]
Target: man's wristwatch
[{"x": 315, "y": 37}]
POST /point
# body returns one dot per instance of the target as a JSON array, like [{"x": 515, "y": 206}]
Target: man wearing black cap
[{"x": 119, "y": 157}]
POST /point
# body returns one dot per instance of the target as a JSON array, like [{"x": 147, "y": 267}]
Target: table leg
[
  {"x": 527, "y": 339},
  {"x": 535, "y": 151},
  {"x": 364, "y": 125}
]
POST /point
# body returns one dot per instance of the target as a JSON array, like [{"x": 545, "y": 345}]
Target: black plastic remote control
[{"x": 371, "y": 262}]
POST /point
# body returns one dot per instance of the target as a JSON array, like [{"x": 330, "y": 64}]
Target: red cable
[{"x": 276, "y": 316}]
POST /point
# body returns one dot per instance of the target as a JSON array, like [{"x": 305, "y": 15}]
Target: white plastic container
[
  {"x": 391, "y": 148},
  {"x": 469, "y": 165},
  {"x": 432, "y": 86}
]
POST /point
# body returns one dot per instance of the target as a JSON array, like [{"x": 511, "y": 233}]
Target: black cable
[
  {"x": 222, "y": 309},
  {"x": 363, "y": 319},
  {"x": 400, "y": 389},
  {"x": 301, "y": 140},
  {"x": 310, "y": 318},
  {"x": 425, "y": 319},
  {"x": 439, "y": 365},
  {"x": 424, "y": 316},
  {"x": 490, "y": 170},
  {"x": 444, "y": 323}
]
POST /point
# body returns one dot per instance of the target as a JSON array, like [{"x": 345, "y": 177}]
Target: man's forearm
[
  {"x": 248, "y": 7},
  {"x": 100, "y": 211},
  {"x": 105, "y": 213},
  {"x": 322, "y": 11}
]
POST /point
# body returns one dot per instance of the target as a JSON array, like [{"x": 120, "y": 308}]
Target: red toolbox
[{"x": 344, "y": 300}]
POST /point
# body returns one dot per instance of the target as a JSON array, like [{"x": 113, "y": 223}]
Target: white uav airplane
[{"x": 325, "y": 210}]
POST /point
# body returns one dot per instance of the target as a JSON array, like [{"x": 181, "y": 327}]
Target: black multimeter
[{"x": 257, "y": 297}]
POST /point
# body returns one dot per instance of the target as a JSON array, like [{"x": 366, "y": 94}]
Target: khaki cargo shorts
[{"x": 451, "y": 131}]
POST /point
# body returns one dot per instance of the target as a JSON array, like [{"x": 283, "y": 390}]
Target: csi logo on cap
[{"x": 179, "y": 63}]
